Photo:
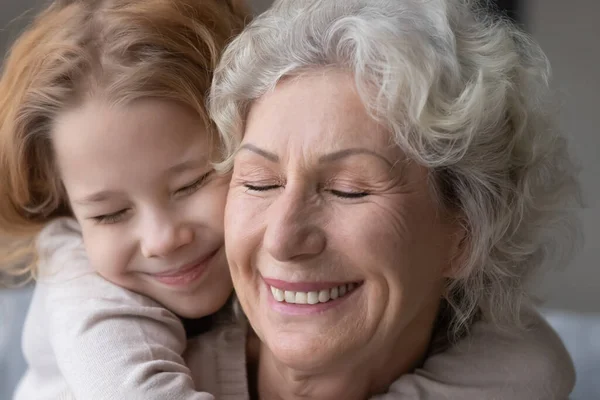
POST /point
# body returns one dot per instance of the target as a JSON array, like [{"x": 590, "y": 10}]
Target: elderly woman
[{"x": 396, "y": 180}]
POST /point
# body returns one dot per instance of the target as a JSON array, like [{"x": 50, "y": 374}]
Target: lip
[
  {"x": 303, "y": 286},
  {"x": 186, "y": 274}
]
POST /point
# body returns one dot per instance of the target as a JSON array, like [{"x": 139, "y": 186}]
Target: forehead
[
  {"x": 103, "y": 142},
  {"x": 320, "y": 107},
  {"x": 140, "y": 124}
]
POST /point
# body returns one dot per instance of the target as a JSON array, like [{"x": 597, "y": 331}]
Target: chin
[
  {"x": 198, "y": 308},
  {"x": 305, "y": 355},
  {"x": 192, "y": 314}
]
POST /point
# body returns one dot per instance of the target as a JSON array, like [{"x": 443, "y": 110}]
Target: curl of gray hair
[{"x": 463, "y": 93}]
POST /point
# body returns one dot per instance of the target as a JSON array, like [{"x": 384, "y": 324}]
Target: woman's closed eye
[
  {"x": 260, "y": 188},
  {"x": 194, "y": 186},
  {"x": 338, "y": 193},
  {"x": 348, "y": 189},
  {"x": 349, "y": 194}
]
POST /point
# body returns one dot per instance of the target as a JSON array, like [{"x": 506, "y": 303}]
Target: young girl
[
  {"x": 102, "y": 118},
  {"x": 105, "y": 157}
]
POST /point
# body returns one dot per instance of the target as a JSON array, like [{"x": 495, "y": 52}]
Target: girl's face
[{"x": 141, "y": 185}]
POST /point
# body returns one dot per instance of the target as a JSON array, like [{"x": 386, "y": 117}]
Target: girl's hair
[
  {"x": 462, "y": 93},
  {"x": 118, "y": 50}
]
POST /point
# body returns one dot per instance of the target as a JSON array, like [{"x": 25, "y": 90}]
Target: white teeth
[
  {"x": 334, "y": 293},
  {"x": 278, "y": 294},
  {"x": 313, "y": 297},
  {"x": 301, "y": 298},
  {"x": 322, "y": 296},
  {"x": 290, "y": 297}
]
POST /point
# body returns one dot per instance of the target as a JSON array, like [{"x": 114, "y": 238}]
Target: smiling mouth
[
  {"x": 187, "y": 273},
  {"x": 313, "y": 297}
]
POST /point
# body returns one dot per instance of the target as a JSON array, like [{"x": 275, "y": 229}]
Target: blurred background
[{"x": 569, "y": 33}]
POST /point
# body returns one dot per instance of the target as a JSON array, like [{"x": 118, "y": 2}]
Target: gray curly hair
[{"x": 463, "y": 93}]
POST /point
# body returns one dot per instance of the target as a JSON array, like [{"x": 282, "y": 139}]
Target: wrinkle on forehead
[{"x": 316, "y": 114}]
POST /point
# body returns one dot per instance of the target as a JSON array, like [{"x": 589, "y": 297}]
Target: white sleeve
[
  {"x": 109, "y": 343},
  {"x": 494, "y": 364}
]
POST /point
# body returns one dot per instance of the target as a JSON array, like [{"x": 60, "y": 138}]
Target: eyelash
[
  {"x": 349, "y": 195},
  {"x": 337, "y": 193},
  {"x": 260, "y": 188},
  {"x": 110, "y": 218},
  {"x": 186, "y": 190},
  {"x": 192, "y": 187}
]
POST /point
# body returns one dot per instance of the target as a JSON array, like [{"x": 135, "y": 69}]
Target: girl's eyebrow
[
  {"x": 187, "y": 165},
  {"x": 96, "y": 197}
]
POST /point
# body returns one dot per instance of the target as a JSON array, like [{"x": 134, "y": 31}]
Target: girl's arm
[
  {"x": 494, "y": 364},
  {"x": 108, "y": 342}
]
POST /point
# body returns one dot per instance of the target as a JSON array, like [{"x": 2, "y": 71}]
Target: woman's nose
[
  {"x": 163, "y": 235},
  {"x": 293, "y": 229}
]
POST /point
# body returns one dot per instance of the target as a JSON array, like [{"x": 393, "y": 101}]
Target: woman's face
[{"x": 336, "y": 247}]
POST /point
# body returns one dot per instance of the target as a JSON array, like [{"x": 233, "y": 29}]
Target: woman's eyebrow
[
  {"x": 336, "y": 155},
  {"x": 323, "y": 159},
  {"x": 261, "y": 152}
]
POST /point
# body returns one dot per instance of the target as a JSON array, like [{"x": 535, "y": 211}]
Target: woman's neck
[
  {"x": 279, "y": 382},
  {"x": 269, "y": 379}
]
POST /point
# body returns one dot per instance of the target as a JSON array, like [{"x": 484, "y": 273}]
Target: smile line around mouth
[
  {"x": 187, "y": 273},
  {"x": 185, "y": 268}
]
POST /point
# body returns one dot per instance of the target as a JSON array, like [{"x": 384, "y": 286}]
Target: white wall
[
  {"x": 569, "y": 33},
  {"x": 260, "y": 5},
  {"x": 14, "y": 14}
]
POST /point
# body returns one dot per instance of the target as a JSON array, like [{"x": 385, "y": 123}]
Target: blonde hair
[
  {"x": 462, "y": 93},
  {"x": 121, "y": 50}
]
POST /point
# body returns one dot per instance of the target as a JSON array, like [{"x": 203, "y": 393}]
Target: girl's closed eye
[
  {"x": 119, "y": 216},
  {"x": 111, "y": 218},
  {"x": 194, "y": 186}
]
